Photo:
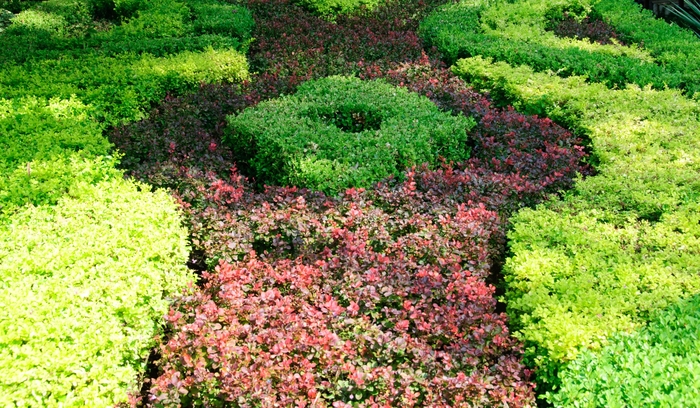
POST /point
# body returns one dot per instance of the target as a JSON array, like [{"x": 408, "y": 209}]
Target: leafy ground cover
[
  {"x": 521, "y": 34},
  {"x": 90, "y": 262},
  {"x": 310, "y": 254},
  {"x": 622, "y": 245}
]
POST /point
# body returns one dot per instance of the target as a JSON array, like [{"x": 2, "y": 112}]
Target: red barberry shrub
[
  {"x": 318, "y": 300},
  {"x": 291, "y": 41}
]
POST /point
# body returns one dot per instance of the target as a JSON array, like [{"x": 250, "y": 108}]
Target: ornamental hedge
[
  {"x": 84, "y": 284},
  {"x": 522, "y": 33},
  {"x": 341, "y": 132},
  {"x": 665, "y": 352},
  {"x": 90, "y": 262},
  {"x": 622, "y": 244}
]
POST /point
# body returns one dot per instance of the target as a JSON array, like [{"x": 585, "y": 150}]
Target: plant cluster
[
  {"x": 341, "y": 132},
  {"x": 294, "y": 233},
  {"x": 83, "y": 284},
  {"x": 624, "y": 243},
  {"x": 665, "y": 351},
  {"x": 316, "y": 300},
  {"x": 594, "y": 29},
  {"x": 656, "y": 54}
]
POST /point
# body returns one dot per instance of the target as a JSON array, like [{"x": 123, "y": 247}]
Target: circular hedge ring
[{"x": 341, "y": 132}]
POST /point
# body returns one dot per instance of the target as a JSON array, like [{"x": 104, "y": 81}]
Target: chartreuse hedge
[
  {"x": 89, "y": 261},
  {"x": 82, "y": 287},
  {"x": 518, "y": 32},
  {"x": 623, "y": 243},
  {"x": 665, "y": 351},
  {"x": 341, "y": 132}
]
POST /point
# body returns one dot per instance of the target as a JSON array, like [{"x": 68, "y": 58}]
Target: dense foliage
[
  {"x": 520, "y": 33},
  {"x": 83, "y": 284},
  {"x": 359, "y": 304},
  {"x": 665, "y": 352},
  {"x": 625, "y": 242},
  {"x": 341, "y": 132}
]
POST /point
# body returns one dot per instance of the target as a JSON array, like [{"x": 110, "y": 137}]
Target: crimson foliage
[{"x": 320, "y": 299}]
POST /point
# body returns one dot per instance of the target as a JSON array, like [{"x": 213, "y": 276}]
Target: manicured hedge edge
[
  {"x": 341, "y": 132},
  {"x": 665, "y": 351},
  {"x": 519, "y": 34},
  {"x": 85, "y": 284},
  {"x": 623, "y": 243}
]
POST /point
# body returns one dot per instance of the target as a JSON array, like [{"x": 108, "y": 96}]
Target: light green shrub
[
  {"x": 341, "y": 132},
  {"x": 84, "y": 285},
  {"x": 623, "y": 243},
  {"x": 44, "y": 182},
  {"x": 332, "y": 8},
  {"x": 160, "y": 19},
  {"x": 225, "y": 19},
  {"x": 658, "y": 366},
  {"x": 38, "y": 129}
]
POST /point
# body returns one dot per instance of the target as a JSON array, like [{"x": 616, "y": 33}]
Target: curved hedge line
[
  {"x": 625, "y": 242},
  {"x": 341, "y": 132},
  {"x": 519, "y": 33},
  {"x": 83, "y": 283}
]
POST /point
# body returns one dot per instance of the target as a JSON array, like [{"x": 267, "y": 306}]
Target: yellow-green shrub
[
  {"x": 624, "y": 242},
  {"x": 84, "y": 285}
]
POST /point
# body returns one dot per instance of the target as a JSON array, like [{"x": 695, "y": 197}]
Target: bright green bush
[
  {"x": 518, "y": 33},
  {"x": 162, "y": 18},
  {"x": 341, "y": 132},
  {"x": 38, "y": 129},
  {"x": 84, "y": 286},
  {"x": 122, "y": 88},
  {"x": 224, "y": 19},
  {"x": 658, "y": 366},
  {"x": 44, "y": 182},
  {"x": 332, "y": 8},
  {"x": 623, "y": 243}
]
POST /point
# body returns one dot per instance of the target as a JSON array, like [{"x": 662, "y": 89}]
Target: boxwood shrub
[
  {"x": 341, "y": 132},
  {"x": 623, "y": 243},
  {"x": 657, "y": 366},
  {"x": 85, "y": 284},
  {"x": 520, "y": 33}
]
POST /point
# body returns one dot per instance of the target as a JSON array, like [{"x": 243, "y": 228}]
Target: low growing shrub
[
  {"x": 658, "y": 365},
  {"x": 342, "y": 132},
  {"x": 518, "y": 33},
  {"x": 623, "y": 243},
  {"x": 363, "y": 304},
  {"x": 84, "y": 286}
]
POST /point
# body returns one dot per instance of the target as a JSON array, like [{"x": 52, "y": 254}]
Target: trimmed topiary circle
[{"x": 341, "y": 132}]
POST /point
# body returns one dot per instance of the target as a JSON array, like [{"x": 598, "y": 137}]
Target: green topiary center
[{"x": 353, "y": 120}]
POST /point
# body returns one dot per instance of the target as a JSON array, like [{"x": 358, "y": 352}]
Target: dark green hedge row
[
  {"x": 342, "y": 132},
  {"x": 519, "y": 32},
  {"x": 624, "y": 243}
]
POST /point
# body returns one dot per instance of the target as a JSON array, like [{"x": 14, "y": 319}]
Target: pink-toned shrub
[{"x": 317, "y": 300}]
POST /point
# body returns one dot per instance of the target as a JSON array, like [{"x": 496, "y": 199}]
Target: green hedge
[
  {"x": 84, "y": 286},
  {"x": 88, "y": 261},
  {"x": 332, "y": 8},
  {"x": 623, "y": 243},
  {"x": 517, "y": 32},
  {"x": 342, "y": 132},
  {"x": 666, "y": 352}
]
